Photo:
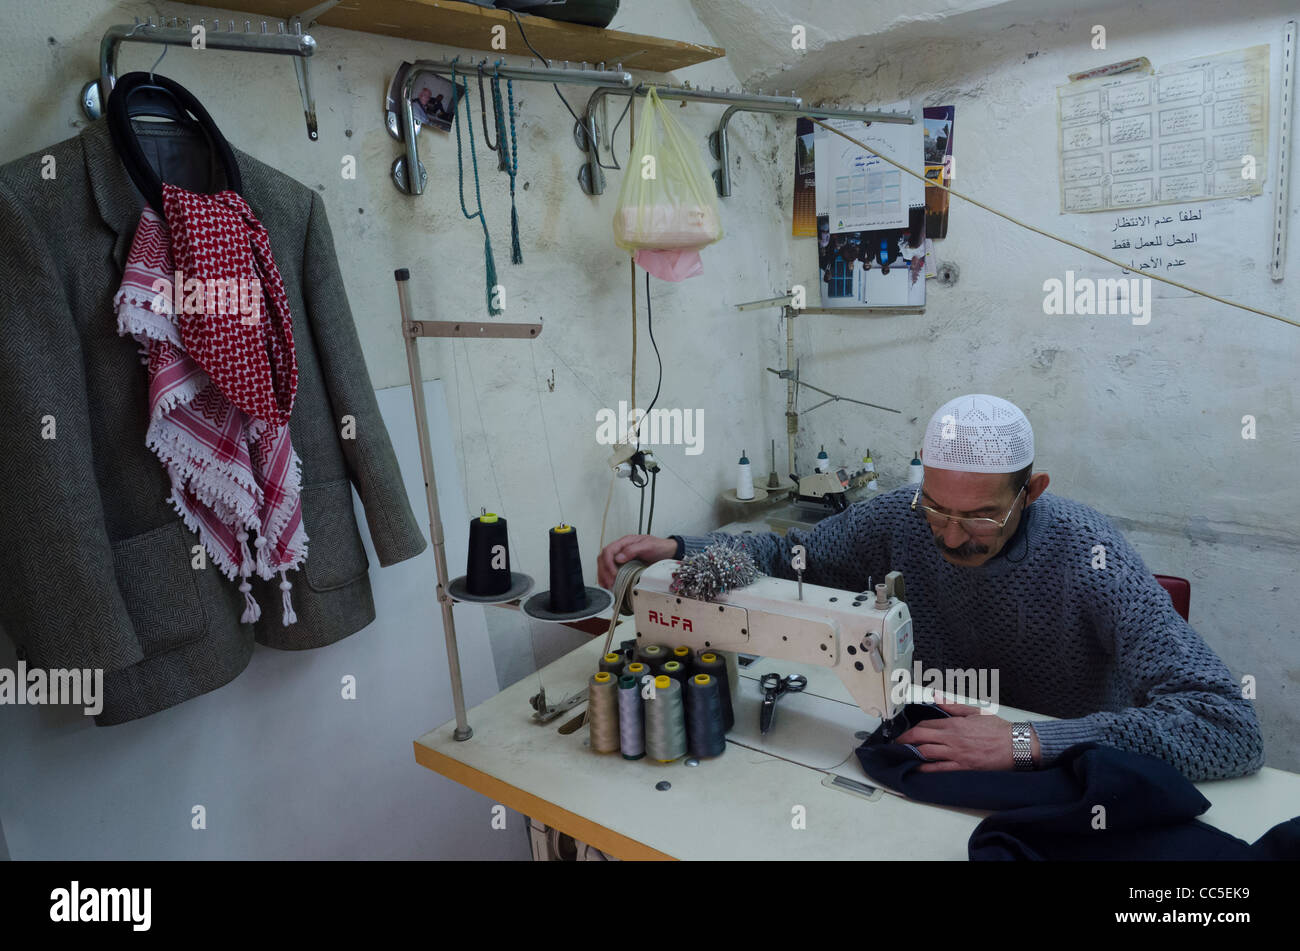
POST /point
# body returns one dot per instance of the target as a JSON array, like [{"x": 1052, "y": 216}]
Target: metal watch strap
[{"x": 1022, "y": 745}]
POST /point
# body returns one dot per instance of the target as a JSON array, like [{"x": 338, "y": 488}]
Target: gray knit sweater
[{"x": 1101, "y": 648}]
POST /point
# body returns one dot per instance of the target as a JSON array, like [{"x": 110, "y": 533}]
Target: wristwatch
[{"x": 1022, "y": 745}]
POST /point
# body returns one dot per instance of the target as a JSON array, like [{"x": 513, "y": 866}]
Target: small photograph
[
  {"x": 938, "y": 168},
  {"x": 938, "y": 133},
  {"x": 805, "y": 182},
  {"x": 433, "y": 101}
]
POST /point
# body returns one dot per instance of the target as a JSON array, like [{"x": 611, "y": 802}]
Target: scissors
[{"x": 773, "y": 686}]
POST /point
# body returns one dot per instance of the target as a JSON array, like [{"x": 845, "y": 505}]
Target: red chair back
[{"x": 1180, "y": 592}]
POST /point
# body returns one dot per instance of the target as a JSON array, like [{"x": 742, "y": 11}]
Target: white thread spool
[
  {"x": 744, "y": 478},
  {"x": 915, "y": 471}
]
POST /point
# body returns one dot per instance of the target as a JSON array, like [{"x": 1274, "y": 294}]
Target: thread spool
[
  {"x": 715, "y": 665},
  {"x": 602, "y": 712},
  {"x": 684, "y": 657},
  {"x": 675, "y": 670},
  {"x": 637, "y": 670},
  {"x": 568, "y": 592},
  {"x": 653, "y": 656},
  {"x": 665, "y": 721},
  {"x": 487, "y": 567},
  {"x": 916, "y": 470},
  {"x": 744, "y": 478},
  {"x": 631, "y": 718},
  {"x": 823, "y": 461},
  {"x": 704, "y": 732},
  {"x": 612, "y": 664}
]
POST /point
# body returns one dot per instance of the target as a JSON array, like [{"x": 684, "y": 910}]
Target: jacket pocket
[
  {"x": 335, "y": 556},
  {"x": 158, "y": 584}
]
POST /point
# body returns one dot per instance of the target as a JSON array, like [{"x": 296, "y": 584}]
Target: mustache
[{"x": 966, "y": 549}]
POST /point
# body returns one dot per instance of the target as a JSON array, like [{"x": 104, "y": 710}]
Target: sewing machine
[
  {"x": 864, "y": 638},
  {"x": 824, "y": 490}
]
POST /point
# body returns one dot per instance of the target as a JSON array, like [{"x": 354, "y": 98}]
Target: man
[{"x": 1003, "y": 575}]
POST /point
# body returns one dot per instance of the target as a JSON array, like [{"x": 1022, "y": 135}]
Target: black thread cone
[
  {"x": 488, "y": 546},
  {"x": 568, "y": 591}
]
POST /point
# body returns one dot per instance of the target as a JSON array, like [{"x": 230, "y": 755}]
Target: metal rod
[
  {"x": 757, "y": 103},
  {"x": 590, "y": 77},
  {"x": 115, "y": 36},
  {"x": 463, "y": 731},
  {"x": 724, "y": 163}
]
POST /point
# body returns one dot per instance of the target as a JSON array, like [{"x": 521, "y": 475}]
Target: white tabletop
[{"x": 742, "y": 804}]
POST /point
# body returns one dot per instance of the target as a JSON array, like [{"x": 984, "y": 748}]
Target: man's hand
[
  {"x": 966, "y": 740},
  {"x": 647, "y": 548}
]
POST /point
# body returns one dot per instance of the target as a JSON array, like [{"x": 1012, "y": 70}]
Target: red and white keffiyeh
[{"x": 221, "y": 381}]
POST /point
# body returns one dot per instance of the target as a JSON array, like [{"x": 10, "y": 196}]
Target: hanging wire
[{"x": 556, "y": 87}]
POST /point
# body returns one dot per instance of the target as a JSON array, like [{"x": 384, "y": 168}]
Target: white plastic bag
[{"x": 668, "y": 199}]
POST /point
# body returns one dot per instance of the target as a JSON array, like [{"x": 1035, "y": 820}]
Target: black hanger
[{"x": 149, "y": 94}]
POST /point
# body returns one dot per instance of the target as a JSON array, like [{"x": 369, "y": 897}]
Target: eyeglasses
[{"x": 973, "y": 526}]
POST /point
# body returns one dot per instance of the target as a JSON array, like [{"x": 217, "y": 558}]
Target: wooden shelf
[{"x": 469, "y": 26}]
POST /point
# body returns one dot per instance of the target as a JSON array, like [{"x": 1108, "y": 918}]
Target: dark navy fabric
[{"x": 1150, "y": 808}]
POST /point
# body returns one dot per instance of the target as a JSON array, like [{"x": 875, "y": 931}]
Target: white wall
[
  {"x": 1142, "y": 422},
  {"x": 573, "y": 278}
]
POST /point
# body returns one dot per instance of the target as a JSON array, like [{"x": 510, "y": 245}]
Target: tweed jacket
[{"x": 96, "y": 568}]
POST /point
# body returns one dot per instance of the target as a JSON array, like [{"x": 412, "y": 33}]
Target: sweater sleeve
[
  {"x": 1186, "y": 709},
  {"x": 842, "y": 550}
]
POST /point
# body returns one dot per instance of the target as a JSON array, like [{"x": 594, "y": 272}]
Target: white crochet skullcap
[{"x": 978, "y": 433}]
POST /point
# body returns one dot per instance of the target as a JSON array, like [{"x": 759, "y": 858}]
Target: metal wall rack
[
  {"x": 586, "y": 131},
  {"x": 289, "y": 39}
]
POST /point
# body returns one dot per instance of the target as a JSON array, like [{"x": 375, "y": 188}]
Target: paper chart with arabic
[{"x": 1192, "y": 131}]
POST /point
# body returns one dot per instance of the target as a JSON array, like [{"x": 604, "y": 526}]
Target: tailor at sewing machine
[{"x": 865, "y": 638}]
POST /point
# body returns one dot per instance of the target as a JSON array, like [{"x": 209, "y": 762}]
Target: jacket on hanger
[
  {"x": 96, "y": 568},
  {"x": 1094, "y": 803}
]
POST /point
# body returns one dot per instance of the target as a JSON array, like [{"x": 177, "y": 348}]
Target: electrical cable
[
  {"x": 556, "y": 87},
  {"x": 650, "y": 324},
  {"x": 1047, "y": 234},
  {"x": 654, "y": 480},
  {"x": 601, "y": 401}
]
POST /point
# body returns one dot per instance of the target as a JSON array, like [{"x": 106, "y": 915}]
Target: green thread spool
[
  {"x": 602, "y": 712},
  {"x": 665, "y": 721}
]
